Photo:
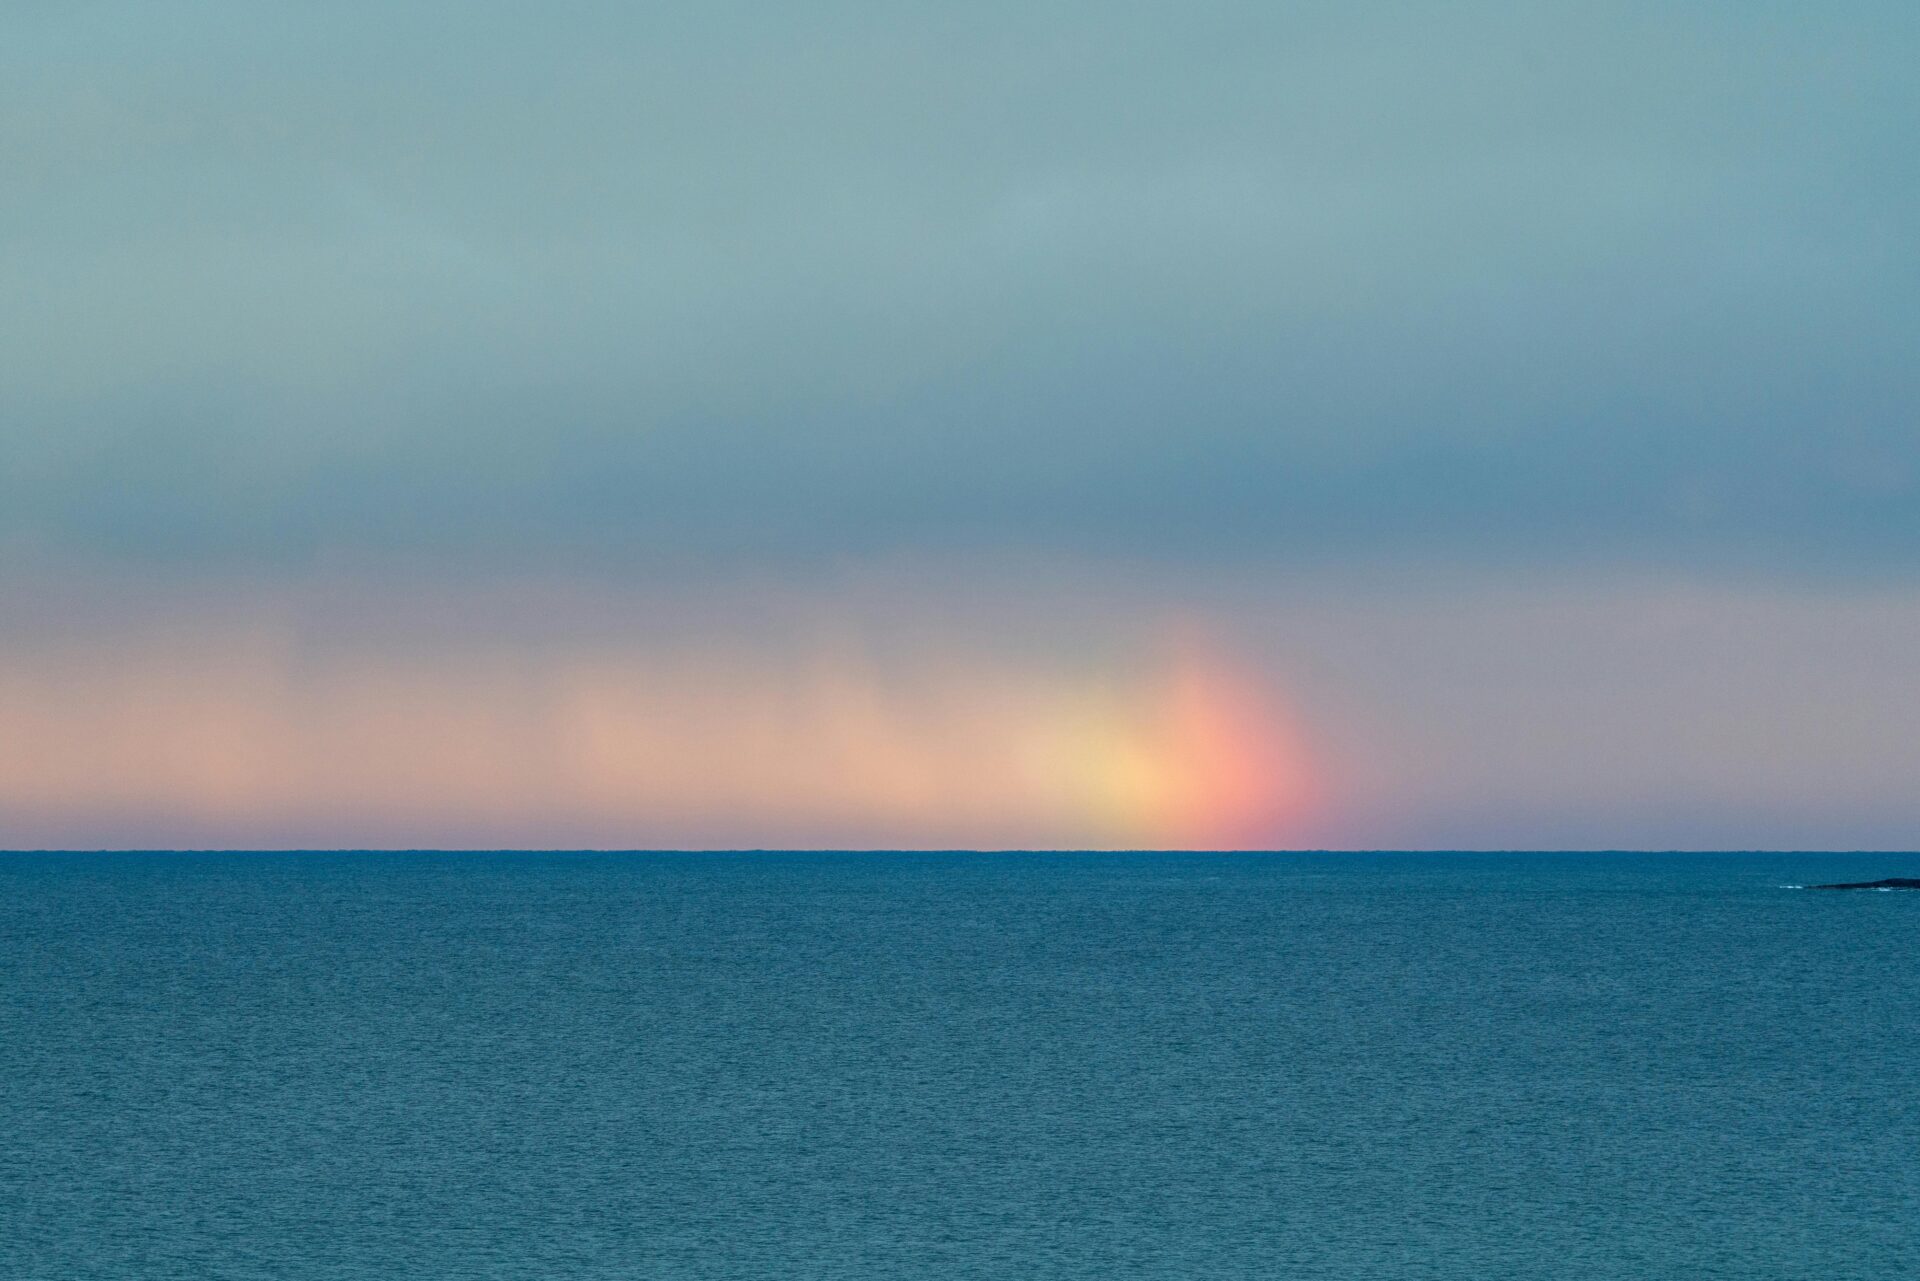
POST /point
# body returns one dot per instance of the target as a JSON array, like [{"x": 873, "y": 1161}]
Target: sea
[{"x": 324, "y": 1066}]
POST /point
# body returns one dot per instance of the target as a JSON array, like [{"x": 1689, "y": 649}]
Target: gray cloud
[{"x": 1221, "y": 282}]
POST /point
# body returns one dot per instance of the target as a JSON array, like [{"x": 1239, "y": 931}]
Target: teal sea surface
[{"x": 316, "y": 1067}]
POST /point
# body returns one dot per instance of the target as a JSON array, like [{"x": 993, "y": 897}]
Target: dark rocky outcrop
[{"x": 1891, "y": 883}]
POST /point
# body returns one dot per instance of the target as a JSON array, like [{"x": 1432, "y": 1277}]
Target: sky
[{"x": 907, "y": 425}]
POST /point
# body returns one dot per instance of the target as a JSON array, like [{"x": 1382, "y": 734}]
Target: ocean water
[{"x": 1012, "y": 1066}]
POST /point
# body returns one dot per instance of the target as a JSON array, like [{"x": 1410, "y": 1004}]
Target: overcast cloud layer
[{"x": 1271, "y": 285}]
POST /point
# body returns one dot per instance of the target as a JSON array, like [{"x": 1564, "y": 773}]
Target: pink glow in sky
[{"x": 247, "y": 740}]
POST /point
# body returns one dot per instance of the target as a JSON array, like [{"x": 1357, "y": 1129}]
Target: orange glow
[{"x": 255, "y": 742}]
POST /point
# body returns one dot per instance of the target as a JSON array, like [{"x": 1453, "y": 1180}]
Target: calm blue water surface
[{"x": 1012, "y": 1066}]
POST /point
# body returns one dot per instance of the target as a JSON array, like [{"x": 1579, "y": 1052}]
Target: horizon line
[{"x": 824, "y": 849}]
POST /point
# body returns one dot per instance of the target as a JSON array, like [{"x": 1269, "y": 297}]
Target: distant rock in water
[{"x": 1891, "y": 883}]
